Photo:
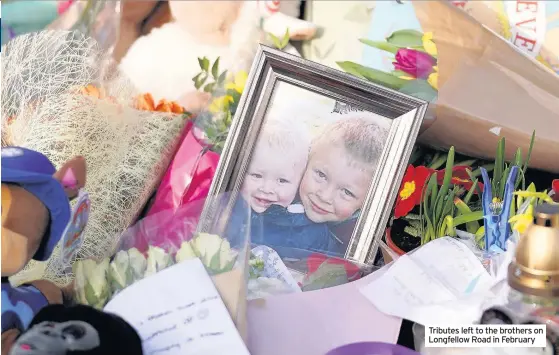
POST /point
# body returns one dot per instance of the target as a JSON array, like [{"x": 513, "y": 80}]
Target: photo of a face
[
  {"x": 334, "y": 185},
  {"x": 310, "y": 170},
  {"x": 271, "y": 179}
]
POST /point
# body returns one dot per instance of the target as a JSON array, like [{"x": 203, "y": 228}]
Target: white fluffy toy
[{"x": 164, "y": 62}]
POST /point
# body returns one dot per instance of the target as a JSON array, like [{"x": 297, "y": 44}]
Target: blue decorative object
[{"x": 497, "y": 213}]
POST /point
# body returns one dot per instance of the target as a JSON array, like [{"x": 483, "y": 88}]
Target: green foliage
[
  {"x": 441, "y": 211},
  {"x": 217, "y": 118},
  {"x": 200, "y": 80},
  {"x": 280, "y": 43}
]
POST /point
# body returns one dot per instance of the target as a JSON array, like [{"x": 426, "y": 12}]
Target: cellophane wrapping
[{"x": 126, "y": 150}]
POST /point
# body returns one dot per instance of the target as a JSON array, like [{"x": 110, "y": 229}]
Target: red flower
[
  {"x": 411, "y": 189},
  {"x": 555, "y": 188},
  {"x": 459, "y": 177},
  {"x": 415, "y": 63},
  {"x": 316, "y": 259}
]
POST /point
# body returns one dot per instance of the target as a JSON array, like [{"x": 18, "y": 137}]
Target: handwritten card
[
  {"x": 441, "y": 282},
  {"x": 179, "y": 311}
]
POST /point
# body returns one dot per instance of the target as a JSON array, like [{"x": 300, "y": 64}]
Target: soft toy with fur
[
  {"x": 35, "y": 213},
  {"x": 165, "y": 61}
]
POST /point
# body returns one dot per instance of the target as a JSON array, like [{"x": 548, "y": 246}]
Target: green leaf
[
  {"x": 215, "y": 261},
  {"x": 221, "y": 78},
  {"x": 215, "y": 69},
  {"x": 373, "y": 75},
  {"x": 433, "y": 191},
  {"x": 327, "y": 275},
  {"x": 204, "y": 63},
  {"x": 285, "y": 39},
  {"x": 503, "y": 182},
  {"x": 383, "y": 46},
  {"x": 472, "y": 177},
  {"x": 406, "y": 38},
  {"x": 499, "y": 165},
  {"x": 209, "y": 87},
  {"x": 275, "y": 40},
  {"x": 464, "y": 209},
  {"x": 470, "y": 193},
  {"x": 438, "y": 161},
  {"x": 446, "y": 183},
  {"x": 468, "y": 217},
  {"x": 413, "y": 231},
  {"x": 529, "y": 155},
  {"x": 201, "y": 80},
  {"x": 469, "y": 162},
  {"x": 420, "y": 89},
  {"x": 399, "y": 73}
]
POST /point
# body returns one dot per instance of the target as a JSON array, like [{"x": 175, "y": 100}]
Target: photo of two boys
[{"x": 309, "y": 173}]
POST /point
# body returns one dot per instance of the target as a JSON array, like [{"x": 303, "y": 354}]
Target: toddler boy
[{"x": 277, "y": 165}]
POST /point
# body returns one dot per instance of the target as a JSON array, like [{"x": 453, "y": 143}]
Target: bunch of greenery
[{"x": 225, "y": 89}]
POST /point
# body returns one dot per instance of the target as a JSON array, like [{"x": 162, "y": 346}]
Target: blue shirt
[{"x": 277, "y": 227}]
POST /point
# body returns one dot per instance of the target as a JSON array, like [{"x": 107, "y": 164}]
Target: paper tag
[{"x": 72, "y": 239}]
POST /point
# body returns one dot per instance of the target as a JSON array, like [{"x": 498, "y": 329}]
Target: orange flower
[
  {"x": 145, "y": 102},
  {"x": 91, "y": 90},
  {"x": 97, "y": 93}
]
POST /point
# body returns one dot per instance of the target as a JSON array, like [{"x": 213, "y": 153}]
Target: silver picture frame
[{"x": 272, "y": 66}]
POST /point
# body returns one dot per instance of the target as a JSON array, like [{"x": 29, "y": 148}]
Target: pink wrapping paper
[
  {"x": 189, "y": 176},
  {"x": 182, "y": 191},
  {"x": 313, "y": 323}
]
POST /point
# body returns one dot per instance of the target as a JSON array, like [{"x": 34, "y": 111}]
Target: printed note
[{"x": 179, "y": 311}]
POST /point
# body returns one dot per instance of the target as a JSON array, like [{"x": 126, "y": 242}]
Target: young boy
[
  {"x": 277, "y": 165},
  {"x": 271, "y": 182},
  {"x": 342, "y": 162}
]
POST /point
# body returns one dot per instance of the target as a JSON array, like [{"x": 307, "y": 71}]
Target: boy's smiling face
[
  {"x": 334, "y": 185},
  {"x": 272, "y": 178}
]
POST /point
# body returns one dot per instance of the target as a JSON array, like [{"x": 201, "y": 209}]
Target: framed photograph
[{"x": 316, "y": 156}]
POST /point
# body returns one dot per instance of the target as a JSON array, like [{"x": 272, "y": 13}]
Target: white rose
[
  {"x": 138, "y": 263},
  {"x": 214, "y": 251},
  {"x": 185, "y": 253},
  {"x": 158, "y": 260}
]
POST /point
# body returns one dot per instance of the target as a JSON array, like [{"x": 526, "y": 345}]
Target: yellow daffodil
[
  {"x": 220, "y": 104},
  {"x": 428, "y": 44},
  {"x": 433, "y": 78},
  {"x": 521, "y": 221},
  {"x": 238, "y": 83}
]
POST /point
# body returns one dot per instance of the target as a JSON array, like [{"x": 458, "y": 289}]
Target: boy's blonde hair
[
  {"x": 362, "y": 136},
  {"x": 290, "y": 136}
]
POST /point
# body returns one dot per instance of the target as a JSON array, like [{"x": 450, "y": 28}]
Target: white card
[{"x": 179, "y": 311}]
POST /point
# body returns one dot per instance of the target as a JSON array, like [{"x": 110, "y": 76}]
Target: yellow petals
[
  {"x": 220, "y": 104},
  {"x": 238, "y": 83},
  {"x": 428, "y": 44},
  {"x": 433, "y": 80}
]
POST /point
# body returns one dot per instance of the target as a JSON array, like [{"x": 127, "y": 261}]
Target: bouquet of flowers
[
  {"x": 212, "y": 124},
  {"x": 97, "y": 282},
  {"x": 57, "y": 100}
]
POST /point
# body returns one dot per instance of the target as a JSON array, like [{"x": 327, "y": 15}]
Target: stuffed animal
[
  {"x": 165, "y": 61},
  {"x": 35, "y": 213},
  {"x": 61, "y": 330}
]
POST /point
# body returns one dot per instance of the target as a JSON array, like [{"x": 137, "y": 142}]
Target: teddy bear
[
  {"x": 165, "y": 61},
  {"x": 35, "y": 213},
  {"x": 36, "y": 317}
]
